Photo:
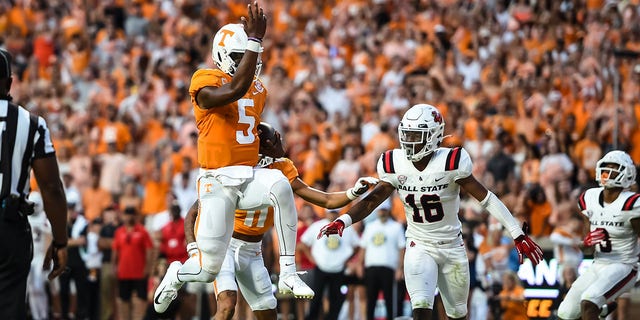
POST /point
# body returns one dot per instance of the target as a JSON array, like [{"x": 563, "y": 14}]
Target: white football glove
[{"x": 361, "y": 186}]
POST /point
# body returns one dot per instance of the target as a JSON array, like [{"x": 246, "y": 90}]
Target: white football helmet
[
  {"x": 231, "y": 38},
  {"x": 421, "y": 131},
  {"x": 621, "y": 177}
]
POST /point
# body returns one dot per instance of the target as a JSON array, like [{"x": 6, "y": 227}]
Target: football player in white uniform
[
  {"x": 428, "y": 179},
  {"x": 614, "y": 227},
  {"x": 41, "y": 232}
]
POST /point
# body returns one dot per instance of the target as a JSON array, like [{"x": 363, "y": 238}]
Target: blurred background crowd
[{"x": 532, "y": 89}]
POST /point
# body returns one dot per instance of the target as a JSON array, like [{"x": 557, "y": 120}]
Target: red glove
[
  {"x": 527, "y": 247},
  {"x": 594, "y": 237},
  {"x": 335, "y": 227}
]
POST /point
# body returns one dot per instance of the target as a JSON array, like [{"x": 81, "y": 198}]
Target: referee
[{"x": 25, "y": 144}]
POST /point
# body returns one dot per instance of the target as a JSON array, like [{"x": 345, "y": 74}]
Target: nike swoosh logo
[
  {"x": 288, "y": 264},
  {"x": 438, "y": 179},
  {"x": 292, "y": 227},
  {"x": 156, "y": 300}
]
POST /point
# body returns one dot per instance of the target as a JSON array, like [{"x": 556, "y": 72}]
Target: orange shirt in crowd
[
  {"x": 155, "y": 193},
  {"x": 513, "y": 310},
  {"x": 539, "y": 218},
  {"x": 94, "y": 201}
]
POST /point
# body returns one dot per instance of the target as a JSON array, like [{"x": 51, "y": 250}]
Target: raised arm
[{"x": 255, "y": 26}]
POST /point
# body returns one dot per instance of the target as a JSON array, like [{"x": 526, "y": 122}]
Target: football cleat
[
  {"x": 292, "y": 284},
  {"x": 167, "y": 291}
]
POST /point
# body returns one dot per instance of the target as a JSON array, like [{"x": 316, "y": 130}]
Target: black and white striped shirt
[{"x": 25, "y": 137}]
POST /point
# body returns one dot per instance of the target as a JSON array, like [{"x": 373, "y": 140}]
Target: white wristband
[
  {"x": 254, "y": 46},
  {"x": 346, "y": 219},
  {"x": 192, "y": 246},
  {"x": 351, "y": 194}
]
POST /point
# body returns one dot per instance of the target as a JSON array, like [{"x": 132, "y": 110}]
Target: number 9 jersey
[
  {"x": 431, "y": 197},
  {"x": 229, "y": 134}
]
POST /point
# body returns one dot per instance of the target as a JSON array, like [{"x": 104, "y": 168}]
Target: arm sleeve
[
  {"x": 43, "y": 146},
  {"x": 498, "y": 210}
]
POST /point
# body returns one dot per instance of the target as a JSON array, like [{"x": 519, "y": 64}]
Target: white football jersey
[
  {"x": 41, "y": 233},
  {"x": 431, "y": 197},
  {"x": 622, "y": 245}
]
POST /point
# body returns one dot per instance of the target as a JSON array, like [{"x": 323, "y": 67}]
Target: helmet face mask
[
  {"x": 615, "y": 170},
  {"x": 421, "y": 131}
]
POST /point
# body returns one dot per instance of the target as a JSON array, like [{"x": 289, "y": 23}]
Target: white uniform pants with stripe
[
  {"x": 245, "y": 264},
  {"x": 445, "y": 266},
  {"x": 601, "y": 283},
  {"x": 223, "y": 190}
]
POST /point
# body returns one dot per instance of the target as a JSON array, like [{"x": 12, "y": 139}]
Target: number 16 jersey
[{"x": 431, "y": 197}]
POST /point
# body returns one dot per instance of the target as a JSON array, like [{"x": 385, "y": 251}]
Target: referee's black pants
[
  {"x": 15, "y": 261},
  {"x": 376, "y": 279},
  {"x": 334, "y": 282}
]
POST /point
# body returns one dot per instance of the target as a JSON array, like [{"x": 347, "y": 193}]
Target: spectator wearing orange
[
  {"x": 156, "y": 197},
  {"x": 512, "y": 298},
  {"x": 95, "y": 199}
]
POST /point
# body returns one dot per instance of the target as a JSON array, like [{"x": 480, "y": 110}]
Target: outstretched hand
[
  {"x": 362, "y": 185},
  {"x": 256, "y": 23},
  {"x": 527, "y": 247},
  {"x": 335, "y": 227}
]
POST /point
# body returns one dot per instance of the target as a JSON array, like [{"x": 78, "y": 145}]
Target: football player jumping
[
  {"x": 244, "y": 262},
  {"x": 227, "y": 104},
  {"x": 428, "y": 179},
  {"x": 612, "y": 213}
]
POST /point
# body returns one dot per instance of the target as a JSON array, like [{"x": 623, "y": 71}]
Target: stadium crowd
[{"x": 527, "y": 87}]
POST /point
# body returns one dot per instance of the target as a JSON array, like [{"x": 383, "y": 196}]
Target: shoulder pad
[
  {"x": 453, "y": 159},
  {"x": 387, "y": 162},
  {"x": 582, "y": 203},
  {"x": 630, "y": 202}
]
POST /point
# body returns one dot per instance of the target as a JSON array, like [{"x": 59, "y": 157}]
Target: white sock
[{"x": 287, "y": 264}]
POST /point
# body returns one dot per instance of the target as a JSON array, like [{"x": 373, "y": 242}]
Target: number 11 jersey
[{"x": 431, "y": 197}]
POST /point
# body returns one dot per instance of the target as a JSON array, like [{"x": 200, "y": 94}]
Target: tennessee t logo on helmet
[{"x": 225, "y": 33}]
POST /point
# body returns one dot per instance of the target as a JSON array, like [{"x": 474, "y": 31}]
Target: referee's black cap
[{"x": 5, "y": 64}]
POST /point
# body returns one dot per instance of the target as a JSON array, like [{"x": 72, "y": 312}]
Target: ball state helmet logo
[{"x": 437, "y": 117}]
